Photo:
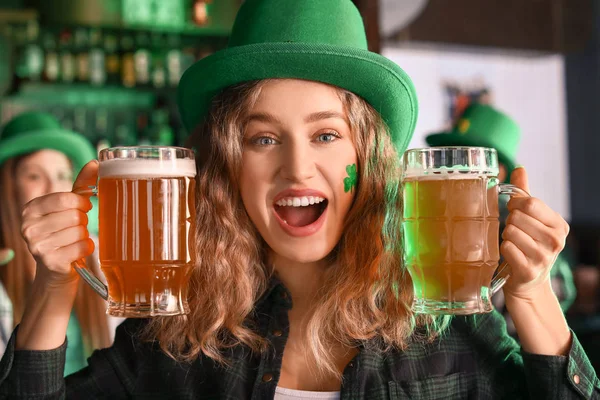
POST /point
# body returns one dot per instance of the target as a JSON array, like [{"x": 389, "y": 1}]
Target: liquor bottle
[
  {"x": 97, "y": 58},
  {"x": 113, "y": 60},
  {"x": 158, "y": 71},
  {"x": 127, "y": 61},
  {"x": 51, "y": 62},
  {"x": 82, "y": 54},
  {"x": 174, "y": 60},
  {"x": 142, "y": 59},
  {"x": 200, "y": 15},
  {"x": 31, "y": 63},
  {"x": 67, "y": 61},
  {"x": 82, "y": 57}
]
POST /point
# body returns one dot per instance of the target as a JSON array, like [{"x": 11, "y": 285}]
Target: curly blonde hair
[{"x": 367, "y": 292}]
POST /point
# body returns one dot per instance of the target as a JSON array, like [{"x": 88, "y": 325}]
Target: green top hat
[
  {"x": 33, "y": 131},
  {"x": 317, "y": 40},
  {"x": 483, "y": 126}
]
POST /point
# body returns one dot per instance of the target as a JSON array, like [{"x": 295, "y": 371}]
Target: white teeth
[{"x": 299, "y": 201}]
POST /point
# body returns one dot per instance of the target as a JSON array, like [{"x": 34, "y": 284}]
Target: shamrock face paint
[{"x": 351, "y": 180}]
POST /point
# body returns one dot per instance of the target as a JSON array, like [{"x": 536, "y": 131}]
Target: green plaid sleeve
[
  {"x": 511, "y": 371},
  {"x": 562, "y": 376},
  {"x": 28, "y": 374},
  {"x": 44, "y": 377}
]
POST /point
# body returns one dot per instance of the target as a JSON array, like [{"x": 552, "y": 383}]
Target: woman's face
[
  {"x": 298, "y": 148},
  {"x": 43, "y": 172}
]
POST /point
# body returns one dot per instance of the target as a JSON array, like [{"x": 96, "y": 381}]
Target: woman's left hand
[{"x": 533, "y": 237}]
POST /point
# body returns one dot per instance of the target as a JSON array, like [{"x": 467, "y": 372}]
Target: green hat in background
[
  {"x": 483, "y": 126},
  {"x": 33, "y": 131},
  {"x": 317, "y": 40}
]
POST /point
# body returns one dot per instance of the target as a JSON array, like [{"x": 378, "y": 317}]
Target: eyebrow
[
  {"x": 314, "y": 117},
  {"x": 263, "y": 117},
  {"x": 318, "y": 116},
  {"x": 28, "y": 166}
]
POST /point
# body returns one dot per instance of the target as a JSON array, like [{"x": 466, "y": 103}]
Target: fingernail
[
  {"x": 10, "y": 254},
  {"x": 519, "y": 166}
]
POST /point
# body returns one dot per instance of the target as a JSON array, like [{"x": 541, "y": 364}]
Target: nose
[
  {"x": 298, "y": 163},
  {"x": 45, "y": 186},
  {"x": 50, "y": 186}
]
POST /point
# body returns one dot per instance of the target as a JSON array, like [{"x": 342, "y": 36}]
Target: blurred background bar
[{"x": 107, "y": 68}]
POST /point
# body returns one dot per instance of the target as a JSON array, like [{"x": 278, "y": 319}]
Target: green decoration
[
  {"x": 325, "y": 42},
  {"x": 351, "y": 180},
  {"x": 32, "y": 131}
]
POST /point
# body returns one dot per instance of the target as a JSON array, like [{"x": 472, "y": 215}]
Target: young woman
[
  {"x": 299, "y": 289},
  {"x": 38, "y": 157}
]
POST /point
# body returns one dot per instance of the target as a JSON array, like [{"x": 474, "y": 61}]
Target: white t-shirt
[{"x": 291, "y": 394}]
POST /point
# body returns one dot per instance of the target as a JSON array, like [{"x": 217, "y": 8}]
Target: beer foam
[
  {"x": 454, "y": 172},
  {"x": 139, "y": 168}
]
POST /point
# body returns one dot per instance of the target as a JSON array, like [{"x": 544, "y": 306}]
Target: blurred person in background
[
  {"x": 484, "y": 126},
  {"x": 38, "y": 157}
]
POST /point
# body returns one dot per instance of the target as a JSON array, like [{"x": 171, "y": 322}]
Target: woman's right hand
[{"x": 55, "y": 229}]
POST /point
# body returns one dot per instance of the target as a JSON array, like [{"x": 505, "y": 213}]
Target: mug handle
[
  {"x": 503, "y": 272},
  {"x": 80, "y": 265}
]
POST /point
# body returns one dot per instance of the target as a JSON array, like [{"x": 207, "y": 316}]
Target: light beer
[
  {"x": 147, "y": 218},
  {"x": 450, "y": 236}
]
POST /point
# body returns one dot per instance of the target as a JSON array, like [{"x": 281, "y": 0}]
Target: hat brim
[
  {"x": 73, "y": 145},
  {"x": 452, "y": 139},
  {"x": 381, "y": 82}
]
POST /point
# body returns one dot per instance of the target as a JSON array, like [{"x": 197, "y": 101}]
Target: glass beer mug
[
  {"x": 147, "y": 219},
  {"x": 450, "y": 228}
]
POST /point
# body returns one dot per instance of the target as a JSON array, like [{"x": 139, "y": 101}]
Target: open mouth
[{"x": 300, "y": 212}]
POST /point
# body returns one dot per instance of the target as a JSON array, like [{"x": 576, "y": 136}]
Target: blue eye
[
  {"x": 328, "y": 137},
  {"x": 264, "y": 141}
]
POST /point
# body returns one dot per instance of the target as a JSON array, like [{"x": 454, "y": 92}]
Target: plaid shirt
[{"x": 474, "y": 359}]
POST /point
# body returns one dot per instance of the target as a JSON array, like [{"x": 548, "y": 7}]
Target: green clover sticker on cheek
[{"x": 351, "y": 180}]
